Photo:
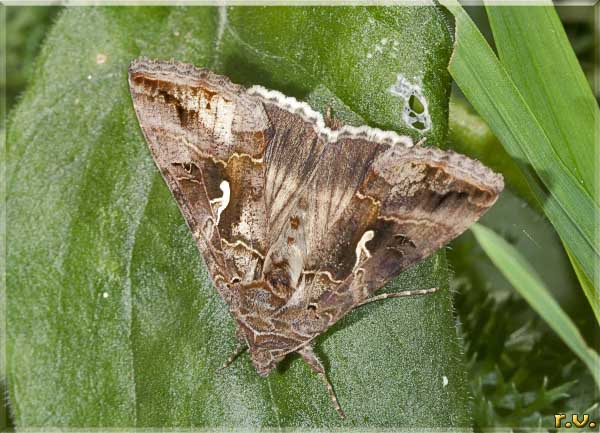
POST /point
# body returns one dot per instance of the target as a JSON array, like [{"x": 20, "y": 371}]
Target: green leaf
[
  {"x": 26, "y": 27},
  {"x": 112, "y": 318},
  {"x": 562, "y": 189},
  {"x": 529, "y": 285}
]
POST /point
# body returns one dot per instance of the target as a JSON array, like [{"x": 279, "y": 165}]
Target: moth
[{"x": 299, "y": 219}]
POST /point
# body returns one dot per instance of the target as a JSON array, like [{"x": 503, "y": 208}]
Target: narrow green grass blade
[
  {"x": 529, "y": 285},
  {"x": 553, "y": 87},
  {"x": 485, "y": 82},
  {"x": 536, "y": 53}
]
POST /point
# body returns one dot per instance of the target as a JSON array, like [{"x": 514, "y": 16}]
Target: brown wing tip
[
  {"x": 497, "y": 181},
  {"x": 140, "y": 64},
  {"x": 481, "y": 173},
  {"x": 469, "y": 169},
  {"x": 485, "y": 175}
]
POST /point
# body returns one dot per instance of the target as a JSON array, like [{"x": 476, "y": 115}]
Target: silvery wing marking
[{"x": 298, "y": 224}]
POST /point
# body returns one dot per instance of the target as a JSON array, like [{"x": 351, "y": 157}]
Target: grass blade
[
  {"x": 586, "y": 285},
  {"x": 529, "y": 285},
  {"x": 534, "y": 36},
  {"x": 567, "y": 203},
  {"x": 534, "y": 49}
]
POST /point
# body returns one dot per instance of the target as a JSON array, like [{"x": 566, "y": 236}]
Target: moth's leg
[
  {"x": 239, "y": 349},
  {"x": 397, "y": 295},
  {"x": 307, "y": 353}
]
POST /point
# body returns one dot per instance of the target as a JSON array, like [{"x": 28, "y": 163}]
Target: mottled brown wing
[
  {"x": 233, "y": 164},
  {"x": 425, "y": 197},
  {"x": 373, "y": 209},
  {"x": 208, "y": 139}
]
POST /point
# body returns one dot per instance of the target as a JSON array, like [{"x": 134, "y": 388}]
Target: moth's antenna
[{"x": 401, "y": 294}]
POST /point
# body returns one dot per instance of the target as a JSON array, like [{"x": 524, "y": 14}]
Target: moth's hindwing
[{"x": 297, "y": 223}]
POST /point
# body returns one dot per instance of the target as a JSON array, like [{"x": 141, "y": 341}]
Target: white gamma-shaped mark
[
  {"x": 223, "y": 200},
  {"x": 361, "y": 248}
]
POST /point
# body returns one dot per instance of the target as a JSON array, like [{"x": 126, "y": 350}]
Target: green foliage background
[{"x": 534, "y": 95}]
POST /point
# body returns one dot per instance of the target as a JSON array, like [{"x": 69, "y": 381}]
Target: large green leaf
[
  {"x": 556, "y": 150},
  {"x": 112, "y": 319}
]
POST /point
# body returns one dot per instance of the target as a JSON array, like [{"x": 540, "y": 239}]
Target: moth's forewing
[
  {"x": 426, "y": 197},
  {"x": 208, "y": 140}
]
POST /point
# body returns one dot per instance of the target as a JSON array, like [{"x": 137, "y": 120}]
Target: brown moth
[{"x": 299, "y": 222}]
